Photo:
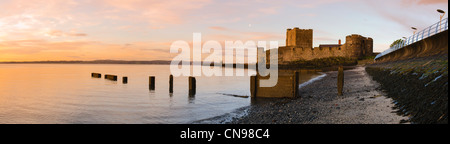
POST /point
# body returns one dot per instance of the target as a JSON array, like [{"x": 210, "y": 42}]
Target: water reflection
[
  {"x": 191, "y": 99},
  {"x": 60, "y": 93}
]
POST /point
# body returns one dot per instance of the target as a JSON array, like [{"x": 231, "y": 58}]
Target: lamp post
[
  {"x": 414, "y": 33},
  {"x": 415, "y": 29},
  {"x": 442, "y": 12}
]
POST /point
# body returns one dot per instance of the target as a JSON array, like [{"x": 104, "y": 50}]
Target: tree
[{"x": 396, "y": 42}]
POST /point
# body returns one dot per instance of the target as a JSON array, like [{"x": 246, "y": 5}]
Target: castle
[{"x": 299, "y": 46}]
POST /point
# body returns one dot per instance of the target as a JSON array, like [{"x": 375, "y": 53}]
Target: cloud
[
  {"x": 59, "y": 33},
  {"x": 325, "y": 39},
  {"x": 218, "y": 28},
  {"x": 233, "y": 34},
  {"x": 51, "y": 29},
  {"x": 408, "y": 13},
  {"x": 263, "y": 35},
  {"x": 77, "y": 34},
  {"x": 268, "y": 10},
  {"x": 32, "y": 50},
  {"x": 318, "y": 3},
  {"x": 42, "y": 8},
  {"x": 39, "y": 45},
  {"x": 308, "y": 15},
  {"x": 225, "y": 20},
  {"x": 154, "y": 12},
  {"x": 425, "y": 2}
]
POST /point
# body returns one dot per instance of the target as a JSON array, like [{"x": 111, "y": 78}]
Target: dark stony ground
[
  {"x": 418, "y": 86},
  {"x": 363, "y": 103}
]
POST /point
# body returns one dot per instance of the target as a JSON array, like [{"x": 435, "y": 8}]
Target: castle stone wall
[{"x": 299, "y": 47}]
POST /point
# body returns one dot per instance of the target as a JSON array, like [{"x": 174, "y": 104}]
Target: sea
[{"x": 67, "y": 94}]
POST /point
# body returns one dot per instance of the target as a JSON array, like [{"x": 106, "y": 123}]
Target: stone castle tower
[
  {"x": 359, "y": 46},
  {"x": 299, "y": 37},
  {"x": 299, "y": 46}
]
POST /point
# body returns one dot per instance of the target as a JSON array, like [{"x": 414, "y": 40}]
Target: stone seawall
[
  {"x": 418, "y": 86},
  {"x": 434, "y": 45}
]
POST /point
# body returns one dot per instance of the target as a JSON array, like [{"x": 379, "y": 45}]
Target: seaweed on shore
[{"x": 423, "y": 99}]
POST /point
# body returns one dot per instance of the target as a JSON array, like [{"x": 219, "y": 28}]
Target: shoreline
[
  {"x": 243, "y": 111},
  {"x": 363, "y": 103}
]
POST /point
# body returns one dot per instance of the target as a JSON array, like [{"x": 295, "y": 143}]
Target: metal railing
[{"x": 425, "y": 33}]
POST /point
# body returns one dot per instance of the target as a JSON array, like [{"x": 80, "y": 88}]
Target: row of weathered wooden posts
[
  {"x": 192, "y": 82},
  {"x": 151, "y": 82}
]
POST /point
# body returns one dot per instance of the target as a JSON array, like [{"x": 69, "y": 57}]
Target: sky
[{"x": 144, "y": 29}]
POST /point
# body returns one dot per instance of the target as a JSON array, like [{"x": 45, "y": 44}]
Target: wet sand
[{"x": 363, "y": 102}]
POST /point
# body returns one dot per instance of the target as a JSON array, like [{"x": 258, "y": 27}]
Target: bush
[{"x": 396, "y": 42}]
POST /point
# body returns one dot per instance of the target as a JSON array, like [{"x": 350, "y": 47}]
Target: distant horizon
[
  {"x": 107, "y": 61},
  {"x": 36, "y": 61}
]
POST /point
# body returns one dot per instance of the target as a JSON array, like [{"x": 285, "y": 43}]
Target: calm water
[{"x": 66, "y": 93}]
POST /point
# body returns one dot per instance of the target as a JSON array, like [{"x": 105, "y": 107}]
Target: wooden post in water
[
  {"x": 171, "y": 84},
  {"x": 125, "y": 80},
  {"x": 96, "y": 75},
  {"x": 340, "y": 80},
  {"x": 152, "y": 82},
  {"x": 253, "y": 86},
  {"x": 111, "y": 77},
  {"x": 192, "y": 86}
]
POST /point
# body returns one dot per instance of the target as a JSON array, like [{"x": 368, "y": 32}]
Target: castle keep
[{"x": 299, "y": 46}]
